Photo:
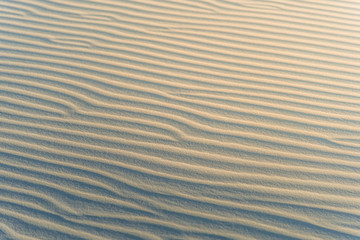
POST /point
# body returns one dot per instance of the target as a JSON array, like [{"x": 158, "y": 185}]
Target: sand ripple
[{"x": 179, "y": 119}]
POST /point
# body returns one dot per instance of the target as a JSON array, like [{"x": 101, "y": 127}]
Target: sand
[{"x": 179, "y": 119}]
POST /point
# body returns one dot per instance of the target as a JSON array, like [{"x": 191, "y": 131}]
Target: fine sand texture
[{"x": 179, "y": 119}]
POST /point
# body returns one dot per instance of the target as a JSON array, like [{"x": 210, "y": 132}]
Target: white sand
[{"x": 179, "y": 119}]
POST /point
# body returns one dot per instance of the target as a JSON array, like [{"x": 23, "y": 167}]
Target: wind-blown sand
[{"x": 179, "y": 119}]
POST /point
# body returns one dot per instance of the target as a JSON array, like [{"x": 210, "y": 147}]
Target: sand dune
[{"x": 179, "y": 119}]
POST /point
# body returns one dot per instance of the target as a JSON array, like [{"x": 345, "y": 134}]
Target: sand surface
[{"x": 179, "y": 119}]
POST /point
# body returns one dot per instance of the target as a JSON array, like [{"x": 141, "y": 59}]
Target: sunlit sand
[{"x": 179, "y": 119}]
